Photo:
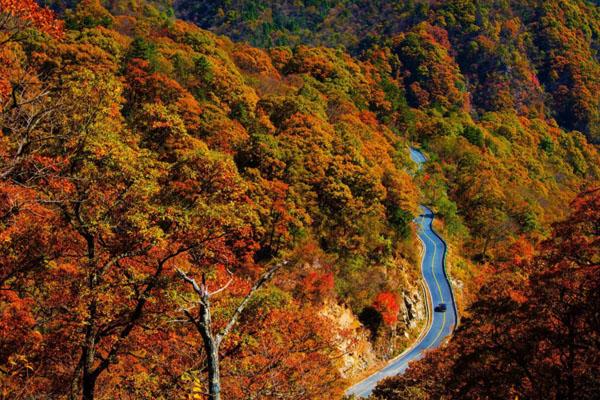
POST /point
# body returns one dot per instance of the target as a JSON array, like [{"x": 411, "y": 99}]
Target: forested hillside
[
  {"x": 500, "y": 74},
  {"x": 534, "y": 332},
  {"x": 534, "y": 57},
  {"x": 134, "y": 145}
]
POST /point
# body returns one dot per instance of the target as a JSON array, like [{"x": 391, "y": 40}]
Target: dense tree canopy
[
  {"x": 529, "y": 56},
  {"x": 134, "y": 144},
  {"x": 534, "y": 329}
]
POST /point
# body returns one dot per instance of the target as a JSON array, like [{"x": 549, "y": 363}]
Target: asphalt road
[{"x": 439, "y": 291}]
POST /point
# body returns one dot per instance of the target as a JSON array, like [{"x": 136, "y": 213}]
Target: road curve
[{"x": 439, "y": 291}]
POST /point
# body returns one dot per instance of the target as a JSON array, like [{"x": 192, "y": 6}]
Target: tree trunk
[
  {"x": 88, "y": 379},
  {"x": 392, "y": 339},
  {"x": 214, "y": 379},
  {"x": 485, "y": 248},
  {"x": 211, "y": 346},
  {"x": 88, "y": 386},
  {"x": 203, "y": 323}
]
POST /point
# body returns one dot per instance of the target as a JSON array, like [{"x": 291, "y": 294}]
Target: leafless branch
[
  {"x": 225, "y": 286},
  {"x": 200, "y": 291},
  {"x": 238, "y": 311}
]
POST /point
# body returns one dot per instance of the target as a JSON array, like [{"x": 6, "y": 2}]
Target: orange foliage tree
[
  {"x": 16, "y": 15},
  {"x": 533, "y": 331}
]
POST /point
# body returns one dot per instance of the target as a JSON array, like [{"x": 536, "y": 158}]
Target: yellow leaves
[
  {"x": 223, "y": 133},
  {"x": 327, "y": 66},
  {"x": 196, "y": 388},
  {"x": 20, "y": 361},
  {"x": 90, "y": 12},
  {"x": 163, "y": 128},
  {"x": 280, "y": 56}
]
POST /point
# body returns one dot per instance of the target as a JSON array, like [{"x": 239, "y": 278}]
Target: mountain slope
[
  {"x": 133, "y": 144},
  {"x": 534, "y": 329},
  {"x": 537, "y": 57}
]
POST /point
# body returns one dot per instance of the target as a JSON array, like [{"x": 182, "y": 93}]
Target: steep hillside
[
  {"x": 534, "y": 57},
  {"x": 498, "y": 92},
  {"x": 134, "y": 144},
  {"x": 534, "y": 331}
]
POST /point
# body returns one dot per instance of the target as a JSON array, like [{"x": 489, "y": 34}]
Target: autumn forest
[{"x": 220, "y": 199}]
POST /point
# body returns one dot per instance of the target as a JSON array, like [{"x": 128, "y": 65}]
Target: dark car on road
[{"x": 440, "y": 307}]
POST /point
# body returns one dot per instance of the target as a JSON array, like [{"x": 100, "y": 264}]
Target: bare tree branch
[
  {"x": 261, "y": 281},
  {"x": 192, "y": 282},
  {"x": 203, "y": 323},
  {"x": 225, "y": 286}
]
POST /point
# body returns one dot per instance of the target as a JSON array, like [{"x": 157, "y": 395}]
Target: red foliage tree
[
  {"x": 387, "y": 305},
  {"x": 17, "y": 15}
]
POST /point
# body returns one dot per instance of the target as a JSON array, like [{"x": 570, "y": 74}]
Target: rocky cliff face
[
  {"x": 412, "y": 309},
  {"x": 355, "y": 347},
  {"x": 358, "y": 352}
]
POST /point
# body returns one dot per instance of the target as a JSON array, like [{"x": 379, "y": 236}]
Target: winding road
[{"x": 439, "y": 291}]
